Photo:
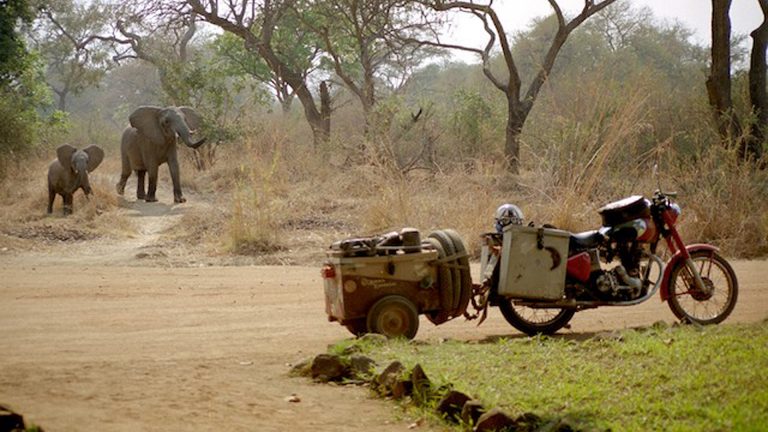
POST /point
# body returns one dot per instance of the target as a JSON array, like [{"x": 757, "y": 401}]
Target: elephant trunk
[
  {"x": 82, "y": 179},
  {"x": 184, "y": 134}
]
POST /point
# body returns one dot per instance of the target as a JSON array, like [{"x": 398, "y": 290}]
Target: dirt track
[{"x": 89, "y": 345}]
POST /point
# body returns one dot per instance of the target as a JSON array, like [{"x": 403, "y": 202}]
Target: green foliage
[
  {"x": 472, "y": 122},
  {"x": 62, "y": 36},
  {"x": 13, "y": 52},
  {"x": 679, "y": 378}
]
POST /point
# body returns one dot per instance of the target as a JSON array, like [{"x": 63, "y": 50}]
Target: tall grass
[{"x": 254, "y": 223}]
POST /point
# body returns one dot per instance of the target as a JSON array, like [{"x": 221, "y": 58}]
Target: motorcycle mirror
[{"x": 656, "y": 176}]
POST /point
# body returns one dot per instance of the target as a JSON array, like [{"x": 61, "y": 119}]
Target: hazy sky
[{"x": 694, "y": 14}]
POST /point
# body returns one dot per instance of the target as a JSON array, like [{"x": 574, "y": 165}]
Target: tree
[
  {"x": 295, "y": 45},
  {"x": 749, "y": 137},
  {"x": 519, "y": 104},
  {"x": 21, "y": 93},
  {"x": 258, "y": 24},
  {"x": 14, "y": 57},
  {"x": 64, "y": 37},
  {"x": 364, "y": 40}
]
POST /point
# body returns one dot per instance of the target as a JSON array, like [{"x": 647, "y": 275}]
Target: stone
[
  {"x": 528, "y": 422},
  {"x": 471, "y": 411},
  {"x": 302, "y": 368},
  {"x": 389, "y": 382},
  {"x": 421, "y": 386},
  {"x": 328, "y": 367},
  {"x": 451, "y": 404},
  {"x": 495, "y": 420},
  {"x": 361, "y": 367},
  {"x": 10, "y": 421}
]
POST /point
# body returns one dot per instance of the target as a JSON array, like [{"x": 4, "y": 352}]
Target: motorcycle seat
[{"x": 585, "y": 240}]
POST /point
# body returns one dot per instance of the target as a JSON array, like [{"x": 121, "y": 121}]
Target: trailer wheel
[{"x": 393, "y": 316}]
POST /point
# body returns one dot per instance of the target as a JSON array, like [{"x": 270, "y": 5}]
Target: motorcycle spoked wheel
[
  {"x": 688, "y": 303},
  {"x": 533, "y": 321}
]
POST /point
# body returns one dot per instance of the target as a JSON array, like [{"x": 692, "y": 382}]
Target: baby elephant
[{"x": 69, "y": 172}]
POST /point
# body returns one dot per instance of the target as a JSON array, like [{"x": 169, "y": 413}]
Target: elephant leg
[
  {"x": 51, "y": 198},
  {"x": 152, "y": 189},
  {"x": 125, "y": 170},
  {"x": 173, "y": 167},
  {"x": 67, "y": 204},
  {"x": 140, "y": 184}
]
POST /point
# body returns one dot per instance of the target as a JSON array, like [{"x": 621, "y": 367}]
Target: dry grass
[{"x": 275, "y": 198}]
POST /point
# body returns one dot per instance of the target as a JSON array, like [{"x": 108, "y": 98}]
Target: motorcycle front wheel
[
  {"x": 533, "y": 321},
  {"x": 711, "y": 305}
]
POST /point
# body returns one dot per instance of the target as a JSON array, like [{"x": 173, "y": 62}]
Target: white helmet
[{"x": 508, "y": 214}]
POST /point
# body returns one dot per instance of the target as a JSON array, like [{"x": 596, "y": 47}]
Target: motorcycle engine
[{"x": 617, "y": 284}]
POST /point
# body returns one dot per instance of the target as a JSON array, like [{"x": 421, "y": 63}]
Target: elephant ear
[
  {"x": 193, "y": 119},
  {"x": 64, "y": 154},
  {"x": 95, "y": 156},
  {"x": 146, "y": 120}
]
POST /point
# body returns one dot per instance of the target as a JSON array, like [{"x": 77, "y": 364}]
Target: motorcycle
[{"x": 540, "y": 277}]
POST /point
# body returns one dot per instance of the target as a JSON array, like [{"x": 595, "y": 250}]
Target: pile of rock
[{"x": 397, "y": 382}]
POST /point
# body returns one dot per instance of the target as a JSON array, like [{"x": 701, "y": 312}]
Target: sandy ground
[{"x": 94, "y": 340}]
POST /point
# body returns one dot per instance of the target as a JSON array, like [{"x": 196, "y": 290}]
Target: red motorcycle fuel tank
[{"x": 579, "y": 267}]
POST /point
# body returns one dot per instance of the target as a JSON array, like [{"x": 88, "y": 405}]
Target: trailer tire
[
  {"x": 444, "y": 286},
  {"x": 393, "y": 316},
  {"x": 450, "y": 251},
  {"x": 466, "y": 276}
]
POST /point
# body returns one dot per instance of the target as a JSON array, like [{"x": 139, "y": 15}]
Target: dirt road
[{"x": 91, "y": 345}]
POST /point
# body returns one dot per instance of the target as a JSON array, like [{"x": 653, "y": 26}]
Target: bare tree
[{"x": 519, "y": 103}]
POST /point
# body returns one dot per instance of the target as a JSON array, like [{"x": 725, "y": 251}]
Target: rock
[
  {"x": 293, "y": 398},
  {"x": 302, "y": 368},
  {"x": 328, "y": 367},
  {"x": 421, "y": 386},
  {"x": 495, "y": 420},
  {"x": 528, "y": 422},
  {"x": 451, "y": 404},
  {"x": 390, "y": 382},
  {"x": 361, "y": 367},
  {"x": 10, "y": 421},
  {"x": 471, "y": 411}
]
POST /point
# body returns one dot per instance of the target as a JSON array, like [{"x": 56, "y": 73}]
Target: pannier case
[{"x": 533, "y": 262}]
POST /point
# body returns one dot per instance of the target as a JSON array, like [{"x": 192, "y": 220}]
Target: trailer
[{"x": 381, "y": 284}]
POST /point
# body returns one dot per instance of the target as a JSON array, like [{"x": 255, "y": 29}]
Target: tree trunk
[
  {"x": 517, "y": 113},
  {"x": 719, "y": 80},
  {"x": 758, "y": 96},
  {"x": 325, "y": 112}
]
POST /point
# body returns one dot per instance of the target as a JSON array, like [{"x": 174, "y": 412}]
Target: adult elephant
[{"x": 150, "y": 141}]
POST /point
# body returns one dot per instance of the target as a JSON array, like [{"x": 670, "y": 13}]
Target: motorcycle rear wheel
[
  {"x": 533, "y": 321},
  {"x": 691, "y": 304}
]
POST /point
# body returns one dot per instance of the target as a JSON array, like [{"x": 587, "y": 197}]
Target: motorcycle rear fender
[{"x": 672, "y": 263}]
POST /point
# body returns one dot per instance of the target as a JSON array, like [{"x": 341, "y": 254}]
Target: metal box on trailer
[
  {"x": 533, "y": 262},
  {"x": 358, "y": 282}
]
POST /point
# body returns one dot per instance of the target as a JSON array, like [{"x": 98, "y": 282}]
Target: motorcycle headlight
[{"x": 675, "y": 211}]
